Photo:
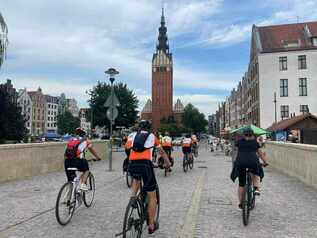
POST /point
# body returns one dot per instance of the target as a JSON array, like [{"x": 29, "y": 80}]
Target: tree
[
  {"x": 67, "y": 123},
  {"x": 128, "y": 113},
  {"x": 12, "y": 123},
  {"x": 193, "y": 119}
]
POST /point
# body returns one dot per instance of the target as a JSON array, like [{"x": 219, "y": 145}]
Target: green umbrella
[{"x": 256, "y": 130}]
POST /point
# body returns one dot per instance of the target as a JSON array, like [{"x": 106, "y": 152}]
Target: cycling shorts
[
  {"x": 143, "y": 169},
  {"x": 187, "y": 150},
  {"x": 80, "y": 164}
]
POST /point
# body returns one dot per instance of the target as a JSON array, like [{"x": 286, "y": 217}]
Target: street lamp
[{"x": 113, "y": 113}]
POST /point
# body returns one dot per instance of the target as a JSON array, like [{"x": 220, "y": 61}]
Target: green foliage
[
  {"x": 193, "y": 119},
  {"x": 170, "y": 125},
  {"x": 67, "y": 123},
  {"x": 127, "y": 110},
  {"x": 12, "y": 124}
]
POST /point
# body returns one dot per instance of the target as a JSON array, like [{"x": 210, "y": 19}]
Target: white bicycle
[{"x": 70, "y": 197}]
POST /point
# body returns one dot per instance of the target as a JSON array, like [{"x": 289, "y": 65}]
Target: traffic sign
[
  {"x": 112, "y": 99},
  {"x": 112, "y": 113}
]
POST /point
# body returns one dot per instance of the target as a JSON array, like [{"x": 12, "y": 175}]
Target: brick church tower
[
  {"x": 162, "y": 78},
  {"x": 161, "y": 105}
]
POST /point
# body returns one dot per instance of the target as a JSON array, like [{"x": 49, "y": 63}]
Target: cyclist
[
  {"x": 194, "y": 143},
  {"x": 141, "y": 166},
  {"x": 187, "y": 146},
  {"x": 248, "y": 152},
  {"x": 167, "y": 146},
  {"x": 75, "y": 157}
]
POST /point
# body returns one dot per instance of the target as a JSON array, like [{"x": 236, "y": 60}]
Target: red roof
[
  {"x": 287, "y": 123},
  {"x": 283, "y": 37}
]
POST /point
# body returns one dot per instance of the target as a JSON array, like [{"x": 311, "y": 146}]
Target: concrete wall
[
  {"x": 25, "y": 160},
  {"x": 297, "y": 160}
]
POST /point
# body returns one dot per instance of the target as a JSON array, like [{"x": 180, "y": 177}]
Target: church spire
[{"x": 162, "y": 44}]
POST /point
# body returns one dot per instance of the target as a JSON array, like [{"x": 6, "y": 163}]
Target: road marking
[{"x": 189, "y": 227}]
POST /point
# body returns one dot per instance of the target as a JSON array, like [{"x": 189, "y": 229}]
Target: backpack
[
  {"x": 139, "y": 142},
  {"x": 72, "y": 148}
]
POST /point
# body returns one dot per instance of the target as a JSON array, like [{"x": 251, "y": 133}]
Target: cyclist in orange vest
[
  {"x": 141, "y": 166},
  {"x": 187, "y": 146},
  {"x": 167, "y": 146}
]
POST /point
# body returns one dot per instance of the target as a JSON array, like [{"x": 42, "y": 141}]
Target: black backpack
[{"x": 139, "y": 141}]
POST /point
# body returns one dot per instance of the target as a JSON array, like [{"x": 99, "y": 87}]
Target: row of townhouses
[
  {"x": 280, "y": 81},
  {"x": 40, "y": 111}
]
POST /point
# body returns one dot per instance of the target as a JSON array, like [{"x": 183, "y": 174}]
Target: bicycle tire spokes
[
  {"x": 88, "y": 196},
  {"x": 65, "y": 204},
  {"x": 132, "y": 224}
]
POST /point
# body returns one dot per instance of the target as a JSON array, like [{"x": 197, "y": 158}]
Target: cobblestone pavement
[{"x": 201, "y": 203}]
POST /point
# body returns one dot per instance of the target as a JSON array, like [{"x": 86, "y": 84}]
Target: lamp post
[{"x": 111, "y": 110}]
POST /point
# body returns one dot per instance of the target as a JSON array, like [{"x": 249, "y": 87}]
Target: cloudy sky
[{"x": 65, "y": 45}]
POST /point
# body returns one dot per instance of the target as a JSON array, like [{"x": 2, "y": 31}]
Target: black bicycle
[
  {"x": 70, "y": 197},
  {"x": 248, "y": 203},
  {"x": 128, "y": 179},
  {"x": 136, "y": 214},
  {"x": 188, "y": 162},
  {"x": 249, "y": 198}
]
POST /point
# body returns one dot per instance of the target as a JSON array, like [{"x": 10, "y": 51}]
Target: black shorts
[
  {"x": 80, "y": 164},
  {"x": 168, "y": 150},
  {"x": 143, "y": 169},
  {"x": 187, "y": 150}
]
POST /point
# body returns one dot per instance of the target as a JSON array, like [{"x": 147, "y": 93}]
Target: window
[
  {"x": 48, "y": 125},
  {"x": 284, "y": 111},
  {"x": 314, "y": 41},
  {"x": 302, "y": 87},
  {"x": 283, "y": 63},
  {"x": 302, "y": 62},
  {"x": 303, "y": 108},
  {"x": 284, "y": 87}
]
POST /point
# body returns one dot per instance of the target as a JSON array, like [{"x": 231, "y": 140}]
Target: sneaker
[
  {"x": 257, "y": 192},
  {"x": 83, "y": 187},
  {"x": 153, "y": 228}
]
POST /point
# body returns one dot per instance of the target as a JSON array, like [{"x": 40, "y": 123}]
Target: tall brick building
[{"x": 161, "y": 105}]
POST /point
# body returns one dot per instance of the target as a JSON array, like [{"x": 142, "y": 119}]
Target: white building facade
[
  {"x": 72, "y": 107},
  {"x": 25, "y": 103},
  {"x": 84, "y": 123},
  {"x": 295, "y": 86},
  {"x": 51, "y": 114}
]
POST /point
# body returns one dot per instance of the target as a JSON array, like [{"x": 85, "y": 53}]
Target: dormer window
[{"x": 291, "y": 43}]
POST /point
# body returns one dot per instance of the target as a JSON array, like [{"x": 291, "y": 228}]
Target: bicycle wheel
[
  {"x": 133, "y": 219},
  {"x": 191, "y": 163},
  {"x": 158, "y": 200},
  {"x": 245, "y": 206},
  {"x": 185, "y": 163},
  {"x": 88, "y": 196},
  {"x": 128, "y": 179},
  {"x": 65, "y": 204}
]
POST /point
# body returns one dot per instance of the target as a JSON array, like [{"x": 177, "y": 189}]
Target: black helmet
[
  {"x": 248, "y": 132},
  {"x": 145, "y": 125},
  {"x": 80, "y": 132},
  {"x": 187, "y": 136}
]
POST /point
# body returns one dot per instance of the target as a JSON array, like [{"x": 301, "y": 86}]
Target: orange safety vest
[
  {"x": 151, "y": 142},
  {"x": 187, "y": 142},
  {"x": 167, "y": 141}
]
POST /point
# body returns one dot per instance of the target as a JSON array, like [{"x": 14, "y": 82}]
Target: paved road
[{"x": 201, "y": 203}]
